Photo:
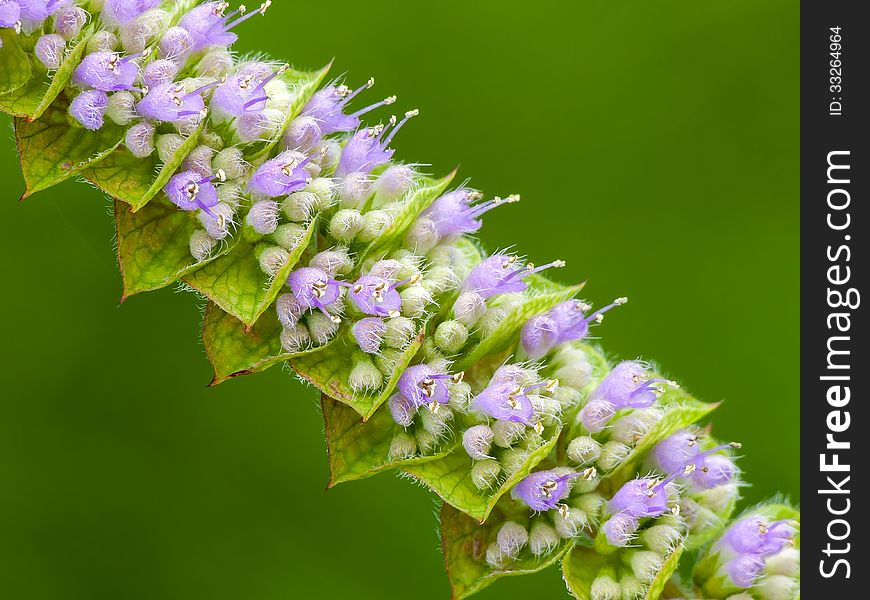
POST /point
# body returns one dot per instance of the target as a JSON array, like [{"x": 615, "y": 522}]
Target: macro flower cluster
[{"x": 274, "y": 193}]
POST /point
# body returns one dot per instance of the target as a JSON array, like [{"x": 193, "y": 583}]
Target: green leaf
[
  {"x": 359, "y": 449},
  {"x": 580, "y": 568},
  {"x": 657, "y": 586},
  {"x": 415, "y": 202},
  {"x": 464, "y": 542},
  {"x": 235, "y": 350},
  {"x": 153, "y": 249},
  {"x": 450, "y": 478},
  {"x": 507, "y": 331},
  {"x": 329, "y": 371},
  {"x": 14, "y": 65},
  {"x": 31, "y": 100},
  {"x": 302, "y": 84},
  {"x": 237, "y": 284},
  {"x": 52, "y": 149}
]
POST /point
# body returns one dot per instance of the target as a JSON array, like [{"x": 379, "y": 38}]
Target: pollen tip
[
  {"x": 564, "y": 511},
  {"x": 221, "y": 175},
  {"x": 264, "y": 6},
  {"x": 390, "y": 99},
  {"x": 412, "y": 113},
  {"x": 735, "y": 445},
  {"x": 589, "y": 473},
  {"x": 621, "y": 301},
  {"x": 558, "y": 264},
  {"x": 370, "y": 82}
]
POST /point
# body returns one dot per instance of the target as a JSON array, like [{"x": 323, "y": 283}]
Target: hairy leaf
[
  {"x": 507, "y": 331},
  {"x": 329, "y": 371},
  {"x": 359, "y": 449},
  {"x": 235, "y": 350},
  {"x": 52, "y": 149},
  {"x": 15, "y": 67},
  {"x": 450, "y": 477},
  {"x": 421, "y": 195},
  {"x": 669, "y": 567},
  {"x": 302, "y": 85},
  {"x": 580, "y": 568},
  {"x": 153, "y": 249},
  {"x": 464, "y": 542},
  {"x": 31, "y": 100}
]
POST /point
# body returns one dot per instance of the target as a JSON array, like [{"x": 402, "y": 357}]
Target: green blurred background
[{"x": 656, "y": 149}]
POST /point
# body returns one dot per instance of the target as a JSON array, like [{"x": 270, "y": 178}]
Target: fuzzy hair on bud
[
  {"x": 364, "y": 376},
  {"x": 591, "y": 504},
  {"x": 139, "y": 140},
  {"x": 427, "y": 440},
  {"x": 571, "y": 522},
  {"x": 335, "y": 261},
  {"x": 199, "y": 160},
  {"x": 168, "y": 145},
  {"x": 201, "y": 245},
  {"x": 295, "y": 339},
  {"x": 631, "y": 588},
  {"x": 605, "y": 588},
  {"x": 321, "y": 327},
  {"x": 495, "y": 558},
  {"x": 272, "y": 259},
  {"x": 69, "y": 20},
  {"x": 375, "y": 223},
  {"x": 645, "y": 565},
  {"x": 438, "y": 280},
  {"x": 663, "y": 539},
  {"x": 300, "y": 206},
  {"x": 629, "y": 430},
  {"x": 437, "y": 423},
  {"x": 451, "y": 336},
  {"x": 786, "y": 562},
  {"x": 485, "y": 473},
  {"x": 423, "y": 235},
  {"x": 220, "y": 222},
  {"x": 394, "y": 183},
  {"x": 415, "y": 299},
  {"x": 507, "y": 433},
  {"x": 102, "y": 41},
  {"x": 49, "y": 50},
  {"x": 468, "y": 308},
  {"x": 514, "y": 458},
  {"x": 403, "y": 446},
  {"x": 543, "y": 538},
  {"x": 289, "y": 235},
  {"x": 584, "y": 450},
  {"x": 345, "y": 225},
  {"x": 354, "y": 190},
  {"x": 511, "y": 538},
  {"x": 231, "y": 161},
  {"x": 477, "y": 441},
  {"x": 263, "y": 216},
  {"x": 460, "y": 395}
]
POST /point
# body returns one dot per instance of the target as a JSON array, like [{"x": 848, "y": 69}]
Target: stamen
[
  {"x": 564, "y": 511},
  {"x": 408, "y": 115}
]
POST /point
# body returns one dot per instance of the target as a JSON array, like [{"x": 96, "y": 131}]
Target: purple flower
[
  {"x": 708, "y": 469},
  {"x": 88, "y": 108},
  {"x": 314, "y": 289},
  {"x": 49, "y": 50},
  {"x": 540, "y": 334},
  {"x": 169, "y": 102},
  {"x": 505, "y": 401},
  {"x": 756, "y": 535},
  {"x": 620, "y": 529},
  {"x": 565, "y": 322},
  {"x": 281, "y": 175},
  {"x": 402, "y": 409},
  {"x": 10, "y": 13},
  {"x": 744, "y": 569},
  {"x": 209, "y": 26},
  {"x": 421, "y": 384},
  {"x": 675, "y": 451},
  {"x": 263, "y": 216},
  {"x": 175, "y": 44},
  {"x": 368, "y": 148},
  {"x": 159, "y": 71},
  {"x": 33, "y": 12},
  {"x": 244, "y": 92},
  {"x": 327, "y": 106},
  {"x": 543, "y": 490},
  {"x": 369, "y": 333},
  {"x": 499, "y": 275},
  {"x": 476, "y": 441},
  {"x": 376, "y": 296},
  {"x": 456, "y": 212},
  {"x": 712, "y": 471},
  {"x": 121, "y": 12},
  {"x": 69, "y": 20},
  {"x": 189, "y": 190},
  {"x": 643, "y": 497},
  {"x": 106, "y": 71},
  {"x": 628, "y": 386}
]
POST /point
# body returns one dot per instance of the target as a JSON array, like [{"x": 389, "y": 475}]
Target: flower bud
[
  {"x": 477, "y": 441},
  {"x": 263, "y": 216},
  {"x": 437, "y": 423},
  {"x": 645, "y": 565},
  {"x": 69, "y": 20},
  {"x": 121, "y": 108},
  {"x": 507, "y": 433},
  {"x": 394, "y": 183},
  {"x": 262, "y": 125},
  {"x": 136, "y": 34},
  {"x": 201, "y": 245},
  {"x": 415, "y": 299},
  {"x": 388, "y": 360},
  {"x": 139, "y": 140},
  {"x": 612, "y": 455},
  {"x": 423, "y": 235},
  {"x": 272, "y": 259},
  {"x": 102, "y": 41},
  {"x": 427, "y": 440},
  {"x": 289, "y": 235},
  {"x": 159, "y": 72},
  {"x": 631, "y": 588},
  {"x": 460, "y": 395},
  {"x": 604, "y": 588},
  {"x": 591, "y": 504},
  {"x": 403, "y": 446},
  {"x": 216, "y": 63},
  {"x": 543, "y": 538},
  {"x": 288, "y": 310},
  {"x": 776, "y": 587},
  {"x": 495, "y": 558},
  {"x": 511, "y": 538},
  {"x": 451, "y": 336},
  {"x": 49, "y": 50},
  {"x": 345, "y": 224},
  {"x": 620, "y": 529},
  {"x": 439, "y": 280},
  {"x": 485, "y": 473},
  {"x": 321, "y": 327},
  {"x": 198, "y": 160},
  {"x": 468, "y": 308},
  {"x": 231, "y": 161},
  {"x": 490, "y": 320},
  {"x": 364, "y": 376},
  {"x": 335, "y": 261},
  {"x": 295, "y": 339},
  {"x": 628, "y": 430},
  {"x": 230, "y": 193},
  {"x": 584, "y": 451},
  {"x": 375, "y": 222},
  {"x": 354, "y": 190},
  {"x": 220, "y": 222},
  {"x": 663, "y": 539},
  {"x": 588, "y": 483},
  {"x": 322, "y": 188},
  {"x": 787, "y": 562},
  {"x": 401, "y": 409},
  {"x": 576, "y": 373},
  {"x": 570, "y": 522},
  {"x": 167, "y": 146},
  {"x": 300, "y": 206},
  {"x": 514, "y": 459},
  {"x": 175, "y": 44},
  {"x": 718, "y": 498}
]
